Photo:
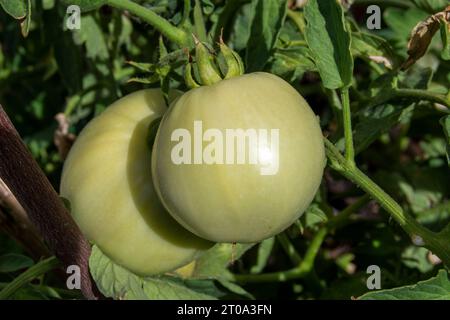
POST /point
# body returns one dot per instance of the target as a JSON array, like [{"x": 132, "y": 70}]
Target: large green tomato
[
  {"x": 205, "y": 182},
  {"x": 107, "y": 179}
]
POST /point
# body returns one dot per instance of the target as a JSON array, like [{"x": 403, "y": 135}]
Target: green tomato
[
  {"x": 107, "y": 179},
  {"x": 208, "y": 189}
]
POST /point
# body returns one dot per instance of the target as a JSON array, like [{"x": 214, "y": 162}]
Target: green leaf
[
  {"x": 313, "y": 216},
  {"x": 92, "y": 36},
  {"x": 214, "y": 262},
  {"x": 232, "y": 287},
  {"x": 241, "y": 29},
  {"x": 445, "y": 36},
  {"x": 266, "y": 25},
  {"x": 14, "y": 262},
  {"x": 417, "y": 258},
  {"x": 437, "y": 288},
  {"x": 375, "y": 121},
  {"x": 116, "y": 282},
  {"x": 292, "y": 63},
  {"x": 445, "y": 123},
  {"x": 400, "y": 23},
  {"x": 373, "y": 47},
  {"x": 425, "y": 187},
  {"x": 329, "y": 40},
  {"x": 17, "y": 9},
  {"x": 431, "y": 6},
  {"x": 435, "y": 217},
  {"x": 264, "y": 250},
  {"x": 20, "y": 10},
  {"x": 85, "y": 5}
]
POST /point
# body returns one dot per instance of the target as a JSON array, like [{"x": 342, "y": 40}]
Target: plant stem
[
  {"x": 33, "y": 272},
  {"x": 343, "y": 216},
  {"x": 303, "y": 269},
  {"x": 171, "y": 32},
  {"x": 310, "y": 256},
  {"x": 289, "y": 248},
  {"x": 422, "y": 95},
  {"x": 348, "y": 134},
  {"x": 416, "y": 94},
  {"x": 420, "y": 234}
]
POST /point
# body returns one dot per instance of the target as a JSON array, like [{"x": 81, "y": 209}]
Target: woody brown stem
[{"x": 30, "y": 186}]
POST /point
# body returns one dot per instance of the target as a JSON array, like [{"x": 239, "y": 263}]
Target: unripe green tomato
[
  {"x": 241, "y": 201},
  {"x": 107, "y": 179}
]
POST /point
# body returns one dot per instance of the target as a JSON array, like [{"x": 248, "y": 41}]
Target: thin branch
[{"x": 177, "y": 35}]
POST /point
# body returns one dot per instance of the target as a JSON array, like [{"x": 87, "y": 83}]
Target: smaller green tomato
[
  {"x": 239, "y": 160},
  {"x": 107, "y": 179}
]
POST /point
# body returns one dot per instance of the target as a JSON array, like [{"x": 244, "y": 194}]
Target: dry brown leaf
[
  {"x": 422, "y": 34},
  {"x": 62, "y": 138}
]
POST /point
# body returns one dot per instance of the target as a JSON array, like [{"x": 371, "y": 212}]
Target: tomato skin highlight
[
  {"x": 107, "y": 179},
  {"x": 235, "y": 202}
]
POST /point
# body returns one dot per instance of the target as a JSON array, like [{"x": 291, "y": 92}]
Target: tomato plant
[{"x": 352, "y": 201}]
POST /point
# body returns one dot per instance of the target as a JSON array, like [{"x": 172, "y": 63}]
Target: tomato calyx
[{"x": 208, "y": 69}]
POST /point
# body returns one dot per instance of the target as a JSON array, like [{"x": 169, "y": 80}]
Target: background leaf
[{"x": 13, "y": 262}]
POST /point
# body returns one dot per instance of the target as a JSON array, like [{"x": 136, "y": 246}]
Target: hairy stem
[
  {"x": 289, "y": 248},
  {"x": 343, "y": 216},
  {"x": 418, "y": 233},
  {"x": 348, "y": 133},
  {"x": 414, "y": 94},
  {"x": 303, "y": 269},
  {"x": 171, "y": 32}
]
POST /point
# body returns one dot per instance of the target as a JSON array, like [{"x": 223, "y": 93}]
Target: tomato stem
[
  {"x": 305, "y": 267},
  {"x": 171, "y": 32},
  {"x": 347, "y": 119},
  {"x": 415, "y": 94},
  {"x": 431, "y": 240},
  {"x": 289, "y": 248}
]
